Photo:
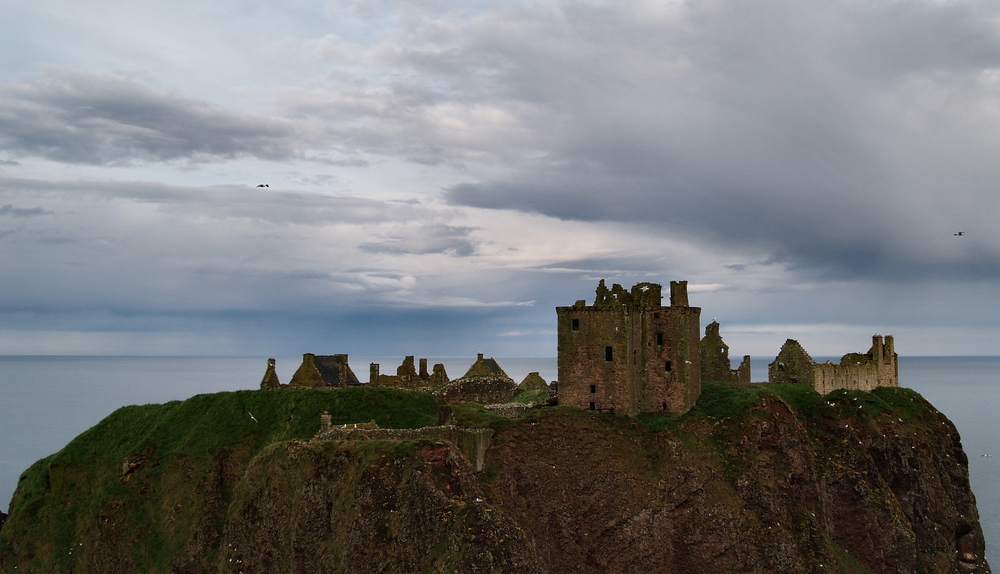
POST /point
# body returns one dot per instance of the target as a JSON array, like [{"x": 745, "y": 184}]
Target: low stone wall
[
  {"x": 511, "y": 410},
  {"x": 472, "y": 442}
]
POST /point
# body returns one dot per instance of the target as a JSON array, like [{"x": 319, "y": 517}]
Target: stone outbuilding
[{"x": 317, "y": 371}]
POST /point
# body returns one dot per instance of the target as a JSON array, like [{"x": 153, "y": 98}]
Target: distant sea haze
[{"x": 47, "y": 401}]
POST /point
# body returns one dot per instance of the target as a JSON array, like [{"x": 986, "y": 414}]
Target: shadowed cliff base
[{"x": 768, "y": 478}]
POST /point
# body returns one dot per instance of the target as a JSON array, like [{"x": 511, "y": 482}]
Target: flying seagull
[
  {"x": 251, "y": 416},
  {"x": 263, "y": 185},
  {"x": 960, "y": 234}
]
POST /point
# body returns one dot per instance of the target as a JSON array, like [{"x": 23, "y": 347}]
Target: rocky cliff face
[
  {"x": 773, "y": 479},
  {"x": 757, "y": 493}
]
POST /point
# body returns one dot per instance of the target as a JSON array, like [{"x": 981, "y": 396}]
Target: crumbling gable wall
[
  {"x": 532, "y": 382},
  {"x": 715, "y": 365},
  {"x": 270, "y": 380},
  {"x": 484, "y": 368},
  {"x": 317, "y": 371},
  {"x": 629, "y": 354},
  {"x": 792, "y": 365}
]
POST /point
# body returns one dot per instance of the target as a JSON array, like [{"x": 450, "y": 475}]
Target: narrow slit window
[
  {"x": 667, "y": 366},
  {"x": 593, "y": 389},
  {"x": 634, "y": 357},
  {"x": 609, "y": 353},
  {"x": 576, "y": 324},
  {"x": 659, "y": 338}
]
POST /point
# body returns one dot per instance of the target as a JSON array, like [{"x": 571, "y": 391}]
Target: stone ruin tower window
[
  {"x": 576, "y": 324},
  {"x": 609, "y": 353},
  {"x": 593, "y": 389},
  {"x": 667, "y": 366}
]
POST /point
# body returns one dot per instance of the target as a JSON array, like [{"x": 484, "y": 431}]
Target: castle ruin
[
  {"x": 625, "y": 354},
  {"x": 323, "y": 371},
  {"x": 407, "y": 375},
  {"x": 715, "y": 365},
  {"x": 628, "y": 354},
  {"x": 879, "y": 367}
]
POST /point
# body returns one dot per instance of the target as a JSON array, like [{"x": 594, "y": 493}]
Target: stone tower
[{"x": 628, "y": 354}]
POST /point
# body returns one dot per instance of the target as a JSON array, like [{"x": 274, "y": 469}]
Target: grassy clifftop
[
  {"x": 150, "y": 484},
  {"x": 762, "y": 478}
]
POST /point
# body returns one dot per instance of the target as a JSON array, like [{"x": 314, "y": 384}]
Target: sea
[{"x": 45, "y": 401}]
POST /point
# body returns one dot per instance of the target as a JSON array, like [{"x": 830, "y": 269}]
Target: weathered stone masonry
[
  {"x": 628, "y": 354},
  {"x": 879, "y": 367}
]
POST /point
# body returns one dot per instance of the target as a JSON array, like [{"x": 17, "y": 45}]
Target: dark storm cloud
[
  {"x": 77, "y": 116},
  {"x": 843, "y": 139}
]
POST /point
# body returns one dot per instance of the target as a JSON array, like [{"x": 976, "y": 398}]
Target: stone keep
[{"x": 628, "y": 354}]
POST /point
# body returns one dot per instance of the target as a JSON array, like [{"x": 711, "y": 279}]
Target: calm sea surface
[{"x": 46, "y": 401}]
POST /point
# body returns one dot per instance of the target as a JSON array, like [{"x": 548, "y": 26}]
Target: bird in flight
[
  {"x": 263, "y": 185},
  {"x": 251, "y": 416},
  {"x": 960, "y": 234}
]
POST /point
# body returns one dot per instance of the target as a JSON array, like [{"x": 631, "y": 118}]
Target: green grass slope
[{"x": 157, "y": 478}]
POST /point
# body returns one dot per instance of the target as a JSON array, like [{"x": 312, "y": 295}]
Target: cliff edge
[{"x": 769, "y": 478}]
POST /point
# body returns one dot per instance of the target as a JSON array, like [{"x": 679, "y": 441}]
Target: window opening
[
  {"x": 576, "y": 324},
  {"x": 667, "y": 366},
  {"x": 609, "y": 354},
  {"x": 592, "y": 406},
  {"x": 593, "y": 389},
  {"x": 659, "y": 338}
]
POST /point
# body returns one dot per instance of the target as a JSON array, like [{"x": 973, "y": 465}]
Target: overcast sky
[{"x": 441, "y": 175}]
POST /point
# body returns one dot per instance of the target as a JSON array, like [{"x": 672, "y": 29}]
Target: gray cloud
[
  {"x": 12, "y": 211},
  {"x": 426, "y": 239},
  {"x": 820, "y": 134},
  {"x": 77, "y": 116}
]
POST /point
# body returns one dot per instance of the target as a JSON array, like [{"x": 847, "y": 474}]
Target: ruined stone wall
[
  {"x": 407, "y": 377},
  {"x": 715, "y": 365},
  {"x": 671, "y": 380},
  {"x": 483, "y": 390},
  {"x": 743, "y": 371},
  {"x": 307, "y": 375},
  {"x": 270, "y": 380},
  {"x": 587, "y": 378},
  {"x": 878, "y": 367},
  {"x": 792, "y": 365},
  {"x": 512, "y": 410}
]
